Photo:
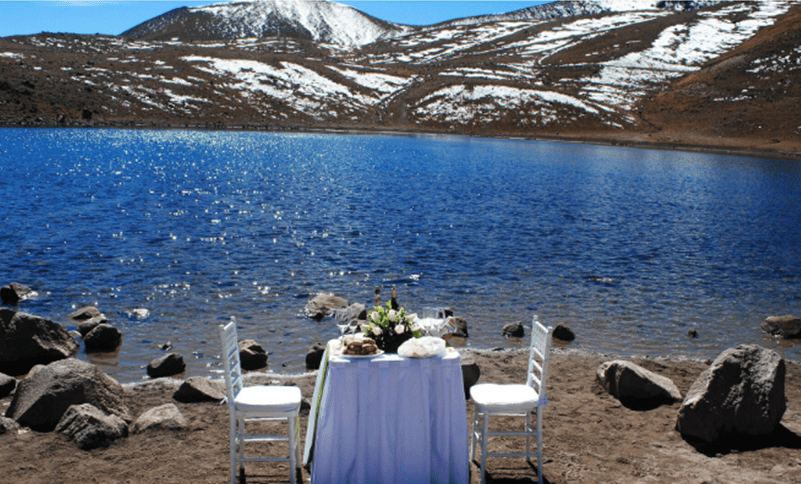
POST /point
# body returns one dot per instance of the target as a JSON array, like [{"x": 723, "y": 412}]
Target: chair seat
[
  {"x": 268, "y": 398},
  {"x": 503, "y": 398}
]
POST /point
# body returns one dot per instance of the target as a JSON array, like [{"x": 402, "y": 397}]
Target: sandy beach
[{"x": 590, "y": 437}]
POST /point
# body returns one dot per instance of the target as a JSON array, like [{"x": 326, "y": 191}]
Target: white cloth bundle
[{"x": 424, "y": 347}]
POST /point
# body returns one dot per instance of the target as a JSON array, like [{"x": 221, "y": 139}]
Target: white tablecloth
[{"x": 389, "y": 419}]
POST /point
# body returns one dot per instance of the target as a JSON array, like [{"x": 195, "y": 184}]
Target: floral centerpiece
[{"x": 390, "y": 327}]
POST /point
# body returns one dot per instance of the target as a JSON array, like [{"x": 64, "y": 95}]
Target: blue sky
[{"x": 113, "y": 17}]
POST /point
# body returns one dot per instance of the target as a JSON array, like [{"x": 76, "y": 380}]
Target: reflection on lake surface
[{"x": 630, "y": 248}]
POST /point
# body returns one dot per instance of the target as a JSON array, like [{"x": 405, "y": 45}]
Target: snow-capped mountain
[
  {"x": 646, "y": 70},
  {"x": 319, "y": 21}
]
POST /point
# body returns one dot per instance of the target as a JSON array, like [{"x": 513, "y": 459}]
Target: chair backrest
[
  {"x": 538, "y": 356},
  {"x": 230, "y": 356}
]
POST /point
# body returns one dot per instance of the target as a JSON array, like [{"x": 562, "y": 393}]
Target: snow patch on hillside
[
  {"x": 466, "y": 104},
  {"x": 677, "y": 51}
]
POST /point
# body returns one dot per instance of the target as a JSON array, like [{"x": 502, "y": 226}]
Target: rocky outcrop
[
  {"x": 42, "y": 398},
  {"x": 103, "y": 338},
  {"x": 7, "y": 385},
  {"x": 563, "y": 332},
  {"x": 635, "y": 386},
  {"x": 740, "y": 394},
  {"x": 324, "y": 305},
  {"x": 27, "y": 340},
  {"x": 251, "y": 355},
  {"x": 163, "y": 417},
  {"x": 90, "y": 427},
  {"x": 198, "y": 389},
  {"x": 787, "y": 326},
  {"x": 513, "y": 330},
  {"x": 168, "y": 365},
  {"x": 13, "y": 293}
]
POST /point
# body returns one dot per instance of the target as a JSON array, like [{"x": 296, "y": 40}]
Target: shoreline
[
  {"x": 617, "y": 140},
  {"x": 579, "y": 422}
]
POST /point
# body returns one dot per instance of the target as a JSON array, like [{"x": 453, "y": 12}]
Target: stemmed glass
[
  {"x": 343, "y": 323},
  {"x": 433, "y": 319}
]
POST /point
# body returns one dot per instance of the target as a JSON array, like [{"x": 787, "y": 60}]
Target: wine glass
[{"x": 343, "y": 323}]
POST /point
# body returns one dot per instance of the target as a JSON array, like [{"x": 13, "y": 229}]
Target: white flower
[
  {"x": 415, "y": 327},
  {"x": 400, "y": 329},
  {"x": 375, "y": 316},
  {"x": 392, "y": 315},
  {"x": 377, "y": 331}
]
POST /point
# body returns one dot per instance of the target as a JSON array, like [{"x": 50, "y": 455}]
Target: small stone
[
  {"x": 85, "y": 313},
  {"x": 198, "y": 389},
  {"x": 168, "y": 365},
  {"x": 90, "y": 427},
  {"x": 251, "y": 355},
  {"x": 103, "y": 338},
  {"x": 315, "y": 356},
  {"x": 13, "y": 293},
  {"x": 787, "y": 326},
  {"x": 563, "y": 332},
  {"x": 163, "y": 417},
  {"x": 513, "y": 330}
]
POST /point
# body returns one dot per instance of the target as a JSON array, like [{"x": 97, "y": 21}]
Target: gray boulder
[
  {"x": 168, "y": 365},
  {"x": 42, "y": 398},
  {"x": 90, "y": 427},
  {"x": 633, "y": 385},
  {"x": 27, "y": 340},
  {"x": 13, "y": 293},
  {"x": 740, "y": 394},
  {"x": 199, "y": 389},
  {"x": 7, "y": 385},
  {"x": 251, "y": 355},
  {"x": 787, "y": 326},
  {"x": 8, "y": 426},
  {"x": 163, "y": 417},
  {"x": 324, "y": 305},
  {"x": 513, "y": 330},
  {"x": 103, "y": 338}
]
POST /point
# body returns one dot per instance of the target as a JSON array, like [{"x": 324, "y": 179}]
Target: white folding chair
[
  {"x": 257, "y": 403},
  {"x": 514, "y": 400}
]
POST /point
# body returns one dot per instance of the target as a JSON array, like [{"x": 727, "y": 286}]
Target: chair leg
[
  {"x": 292, "y": 452},
  {"x": 484, "y": 432},
  {"x": 473, "y": 431},
  {"x": 240, "y": 438},
  {"x": 232, "y": 437},
  {"x": 539, "y": 445},
  {"x": 528, "y": 436}
]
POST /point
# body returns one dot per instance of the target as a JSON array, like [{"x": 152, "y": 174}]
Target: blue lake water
[{"x": 630, "y": 248}]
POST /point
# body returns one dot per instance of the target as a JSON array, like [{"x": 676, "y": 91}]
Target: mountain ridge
[{"x": 655, "y": 76}]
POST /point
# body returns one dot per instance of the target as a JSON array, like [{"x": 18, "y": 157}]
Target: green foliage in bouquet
[{"x": 389, "y": 327}]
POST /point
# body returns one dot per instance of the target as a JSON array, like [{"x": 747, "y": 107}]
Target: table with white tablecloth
[{"x": 388, "y": 419}]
